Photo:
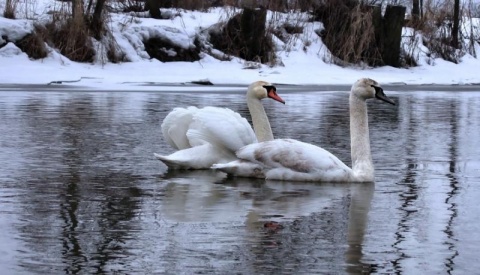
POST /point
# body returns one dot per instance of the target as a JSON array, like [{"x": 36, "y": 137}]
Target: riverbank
[
  {"x": 302, "y": 62},
  {"x": 231, "y": 88}
]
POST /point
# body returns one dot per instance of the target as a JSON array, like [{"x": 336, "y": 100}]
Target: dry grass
[
  {"x": 191, "y": 4},
  {"x": 410, "y": 50},
  {"x": 349, "y": 32},
  {"x": 131, "y": 5},
  {"x": 436, "y": 28},
  {"x": 245, "y": 36},
  {"x": 470, "y": 32},
  {"x": 33, "y": 44},
  {"x": 287, "y": 28},
  {"x": 72, "y": 39},
  {"x": 10, "y": 9}
]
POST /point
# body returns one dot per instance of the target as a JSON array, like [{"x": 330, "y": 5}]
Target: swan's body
[
  {"x": 288, "y": 159},
  {"x": 204, "y": 136}
]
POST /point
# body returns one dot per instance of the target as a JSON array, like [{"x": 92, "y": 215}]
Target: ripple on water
[{"x": 82, "y": 193}]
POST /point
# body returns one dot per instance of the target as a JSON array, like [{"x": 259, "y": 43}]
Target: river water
[{"x": 81, "y": 193}]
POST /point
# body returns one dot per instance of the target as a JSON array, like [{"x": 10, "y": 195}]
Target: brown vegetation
[
  {"x": 72, "y": 39},
  {"x": 245, "y": 36},
  {"x": 436, "y": 24},
  {"x": 33, "y": 44},
  {"x": 131, "y": 5},
  {"x": 354, "y": 32},
  {"x": 166, "y": 51},
  {"x": 349, "y": 32},
  {"x": 10, "y": 9}
]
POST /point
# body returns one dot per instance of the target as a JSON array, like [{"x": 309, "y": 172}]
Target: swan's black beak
[
  {"x": 272, "y": 93},
  {"x": 379, "y": 94}
]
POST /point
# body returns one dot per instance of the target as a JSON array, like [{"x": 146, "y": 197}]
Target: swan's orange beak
[{"x": 273, "y": 95}]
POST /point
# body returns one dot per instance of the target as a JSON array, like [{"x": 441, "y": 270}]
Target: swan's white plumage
[
  {"x": 204, "y": 136},
  {"x": 203, "y": 155},
  {"x": 175, "y": 126},
  {"x": 222, "y": 127},
  {"x": 288, "y": 159}
]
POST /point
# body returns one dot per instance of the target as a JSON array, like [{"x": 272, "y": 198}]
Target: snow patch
[{"x": 13, "y": 30}]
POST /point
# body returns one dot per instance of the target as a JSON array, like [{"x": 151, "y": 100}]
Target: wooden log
[
  {"x": 252, "y": 27},
  {"x": 393, "y": 22}
]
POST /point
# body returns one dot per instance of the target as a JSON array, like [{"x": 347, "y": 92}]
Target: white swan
[
  {"x": 288, "y": 159},
  {"x": 209, "y": 135}
]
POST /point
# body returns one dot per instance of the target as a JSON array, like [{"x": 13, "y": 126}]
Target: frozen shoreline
[{"x": 198, "y": 88}]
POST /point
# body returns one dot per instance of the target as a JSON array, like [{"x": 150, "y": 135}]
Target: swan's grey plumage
[
  {"x": 288, "y": 159},
  {"x": 204, "y": 136}
]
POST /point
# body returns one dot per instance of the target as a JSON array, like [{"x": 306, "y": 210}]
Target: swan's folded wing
[
  {"x": 198, "y": 157},
  {"x": 241, "y": 168},
  {"x": 287, "y": 155},
  {"x": 175, "y": 127},
  {"x": 220, "y": 127}
]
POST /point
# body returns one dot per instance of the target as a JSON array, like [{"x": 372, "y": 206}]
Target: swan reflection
[{"x": 259, "y": 206}]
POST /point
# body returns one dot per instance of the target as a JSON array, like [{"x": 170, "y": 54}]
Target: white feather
[
  {"x": 287, "y": 159},
  {"x": 175, "y": 126},
  {"x": 222, "y": 127}
]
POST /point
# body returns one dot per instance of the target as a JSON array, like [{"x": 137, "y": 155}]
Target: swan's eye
[
  {"x": 377, "y": 89},
  {"x": 270, "y": 87}
]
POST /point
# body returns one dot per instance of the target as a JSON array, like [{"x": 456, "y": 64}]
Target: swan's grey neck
[
  {"x": 260, "y": 122},
  {"x": 362, "y": 164}
]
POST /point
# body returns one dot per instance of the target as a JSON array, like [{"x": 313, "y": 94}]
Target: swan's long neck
[
  {"x": 362, "y": 164},
  {"x": 260, "y": 122}
]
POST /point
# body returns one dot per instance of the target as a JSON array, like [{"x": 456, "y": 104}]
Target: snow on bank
[{"x": 302, "y": 59}]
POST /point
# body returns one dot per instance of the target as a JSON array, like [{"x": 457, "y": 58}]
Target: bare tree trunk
[
  {"x": 154, "y": 7},
  {"x": 456, "y": 23},
  {"x": 376, "y": 48},
  {"x": 89, "y": 7},
  {"x": 393, "y": 21},
  {"x": 167, "y": 3},
  {"x": 251, "y": 4},
  {"x": 421, "y": 8},
  {"x": 96, "y": 25},
  {"x": 252, "y": 28},
  {"x": 415, "y": 11},
  {"x": 77, "y": 10},
  {"x": 9, "y": 11}
]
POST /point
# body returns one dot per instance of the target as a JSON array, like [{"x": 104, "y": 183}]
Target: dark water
[{"x": 81, "y": 193}]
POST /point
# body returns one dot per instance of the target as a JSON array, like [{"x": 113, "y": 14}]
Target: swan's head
[
  {"x": 366, "y": 88},
  {"x": 262, "y": 89}
]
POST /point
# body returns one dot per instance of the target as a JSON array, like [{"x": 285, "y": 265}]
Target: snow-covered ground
[{"x": 302, "y": 57}]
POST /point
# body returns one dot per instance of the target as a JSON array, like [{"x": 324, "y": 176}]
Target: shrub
[
  {"x": 166, "y": 51},
  {"x": 349, "y": 32},
  {"x": 245, "y": 36},
  {"x": 436, "y": 28},
  {"x": 72, "y": 39},
  {"x": 10, "y": 9},
  {"x": 33, "y": 44}
]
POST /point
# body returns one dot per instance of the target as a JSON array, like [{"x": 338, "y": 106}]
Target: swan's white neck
[
  {"x": 362, "y": 164},
  {"x": 260, "y": 122}
]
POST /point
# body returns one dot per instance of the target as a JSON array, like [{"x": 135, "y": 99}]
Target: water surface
[{"x": 80, "y": 190}]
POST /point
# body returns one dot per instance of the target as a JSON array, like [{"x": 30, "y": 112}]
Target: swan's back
[
  {"x": 220, "y": 127},
  {"x": 189, "y": 127},
  {"x": 288, "y": 159},
  {"x": 212, "y": 135},
  {"x": 175, "y": 126}
]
